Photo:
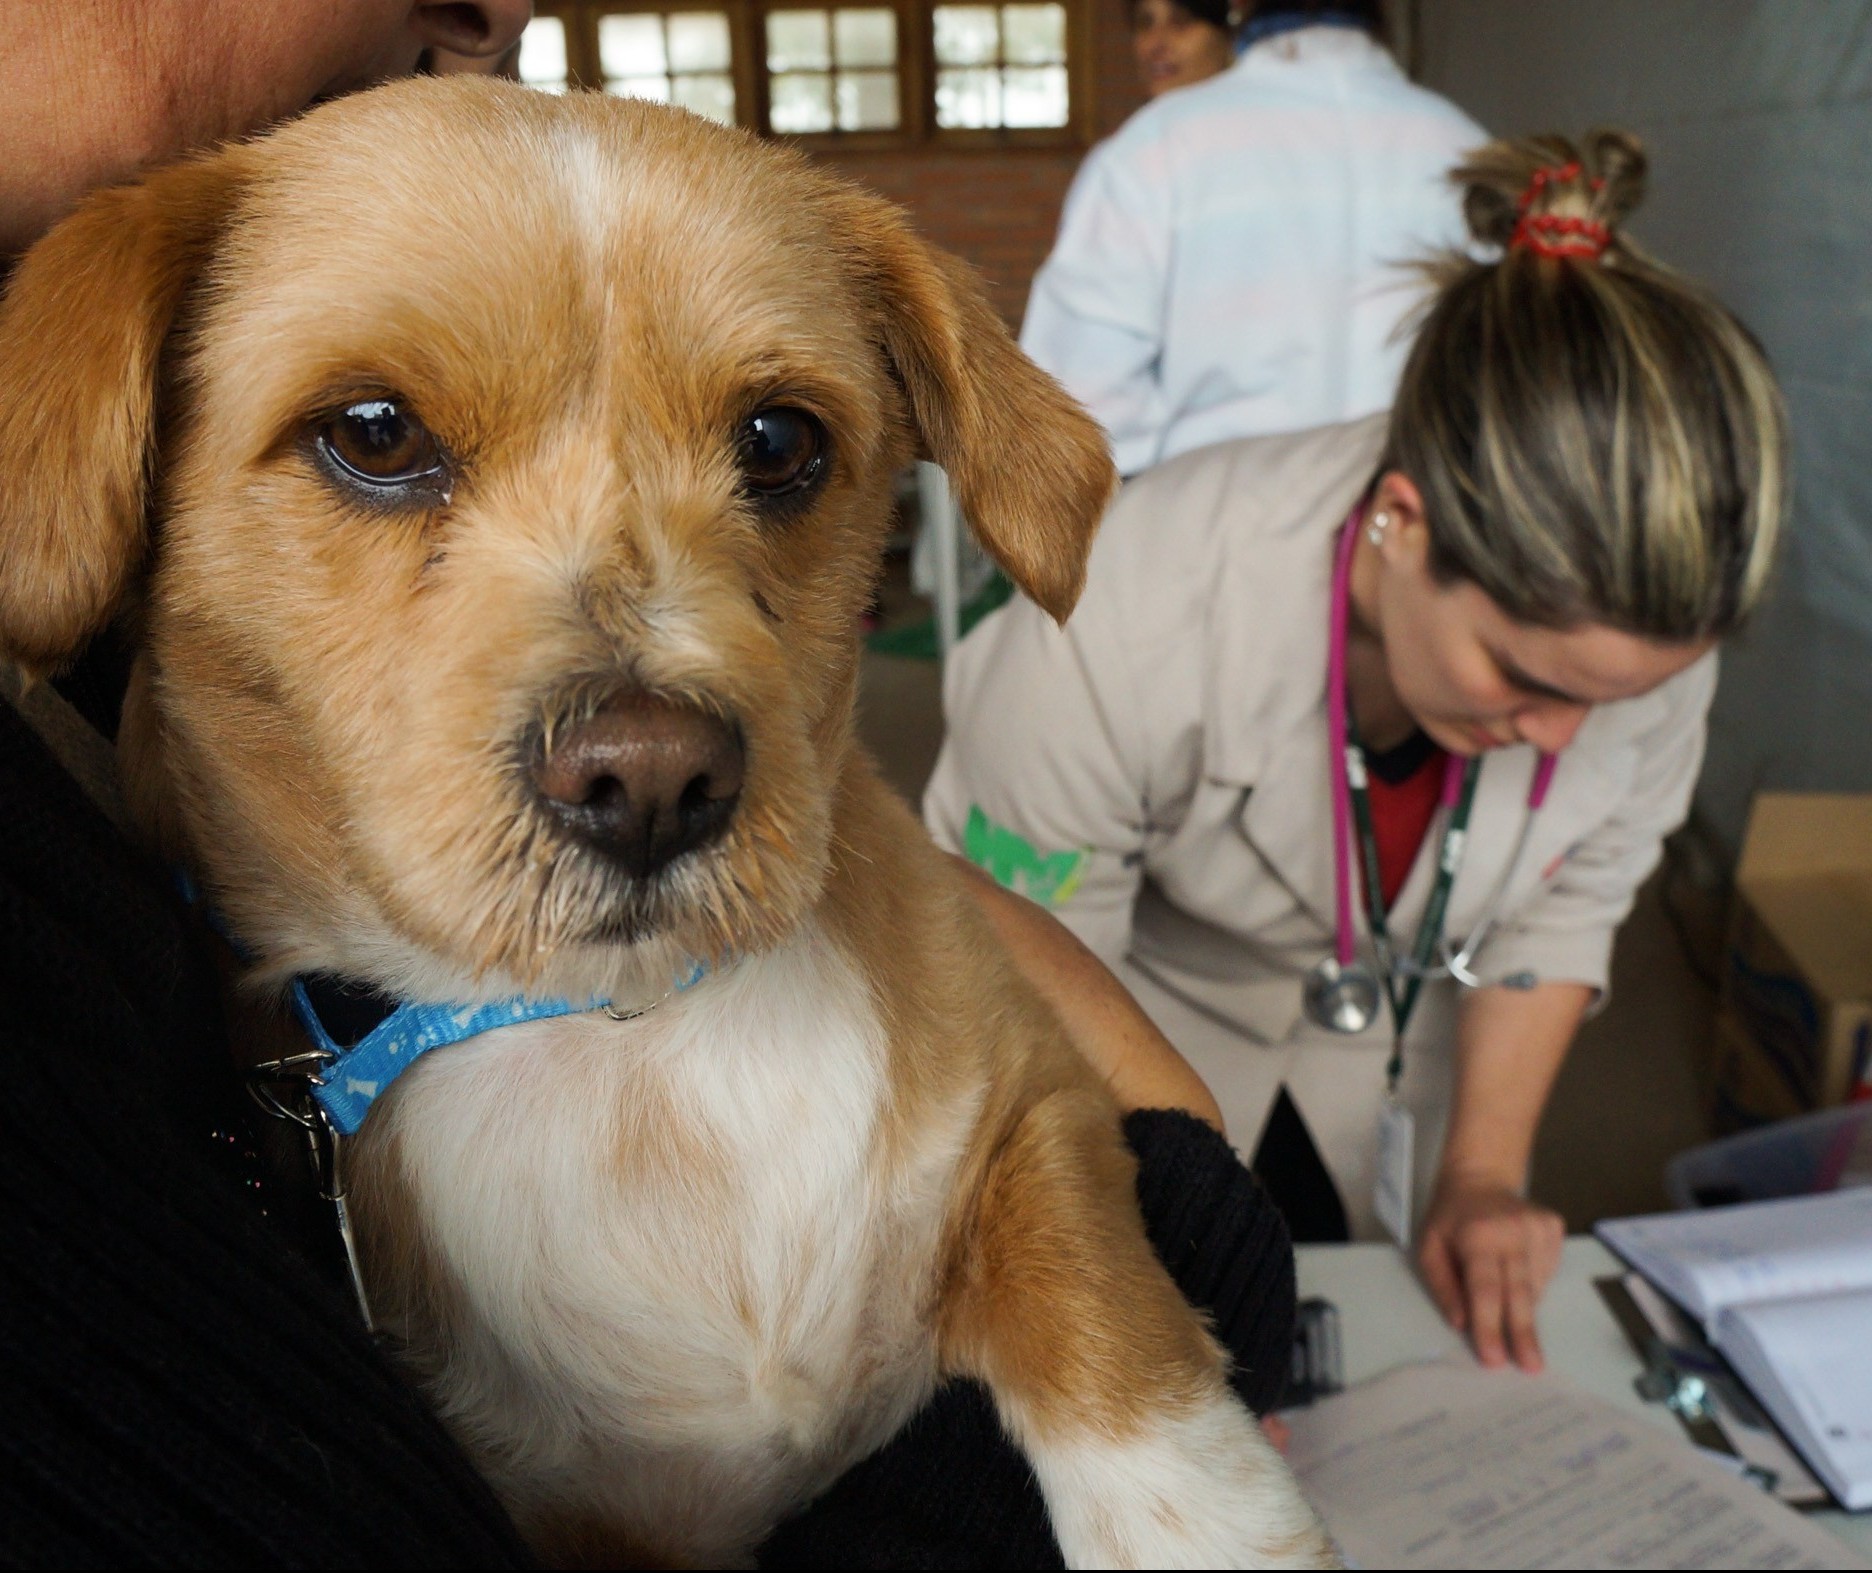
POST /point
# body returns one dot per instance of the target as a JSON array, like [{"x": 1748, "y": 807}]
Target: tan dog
[{"x": 497, "y": 479}]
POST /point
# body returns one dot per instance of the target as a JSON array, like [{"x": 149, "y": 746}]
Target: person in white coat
[
  {"x": 1487, "y": 622},
  {"x": 1232, "y": 262}
]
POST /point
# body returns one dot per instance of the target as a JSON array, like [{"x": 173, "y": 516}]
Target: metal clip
[
  {"x": 1669, "y": 1378},
  {"x": 328, "y": 1164},
  {"x": 283, "y": 1088},
  {"x": 297, "y": 1074}
]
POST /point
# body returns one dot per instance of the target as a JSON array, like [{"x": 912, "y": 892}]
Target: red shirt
[{"x": 1402, "y": 807}]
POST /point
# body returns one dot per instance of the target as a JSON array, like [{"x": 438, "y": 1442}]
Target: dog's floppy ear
[
  {"x": 1031, "y": 470},
  {"x": 82, "y": 326}
]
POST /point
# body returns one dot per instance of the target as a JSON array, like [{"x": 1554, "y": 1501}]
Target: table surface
[{"x": 1386, "y": 1320}]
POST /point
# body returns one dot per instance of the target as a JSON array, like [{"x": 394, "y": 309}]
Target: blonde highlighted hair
[{"x": 1596, "y": 438}]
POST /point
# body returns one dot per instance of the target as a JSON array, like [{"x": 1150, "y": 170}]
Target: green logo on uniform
[{"x": 1012, "y": 860}]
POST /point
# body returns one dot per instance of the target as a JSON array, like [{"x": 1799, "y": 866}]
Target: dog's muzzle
[{"x": 643, "y": 780}]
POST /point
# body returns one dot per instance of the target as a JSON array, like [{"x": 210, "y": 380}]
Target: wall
[
  {"x": 1758, "y": 114},
  {"x": 999, "y": 207}
]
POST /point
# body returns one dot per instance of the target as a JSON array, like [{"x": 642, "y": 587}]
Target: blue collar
[
  {"x": 366, "y": 1039},
  {"x": 360, "y": 1072},
  {"x": 1256, "y": 29},
  {"x": 372, "y": 1040}
]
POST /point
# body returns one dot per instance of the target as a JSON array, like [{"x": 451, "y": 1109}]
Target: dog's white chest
[{"x": 675, "y": 1241}]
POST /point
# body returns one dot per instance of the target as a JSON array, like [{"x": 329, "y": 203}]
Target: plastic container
[{"x": 1827, "y": 1151}]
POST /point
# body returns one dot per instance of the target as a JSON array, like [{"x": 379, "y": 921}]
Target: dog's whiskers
[{"x": 845, "y": 848}]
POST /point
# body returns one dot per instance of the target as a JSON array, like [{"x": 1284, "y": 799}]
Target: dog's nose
[{"x": 644, "y": 780}]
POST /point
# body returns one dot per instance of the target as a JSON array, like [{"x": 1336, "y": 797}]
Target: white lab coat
[
  {"x": 1157, "y": 774},
  {"x": 1235, "y": 260}
]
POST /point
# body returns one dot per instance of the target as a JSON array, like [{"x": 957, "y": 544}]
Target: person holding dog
[
  {"x": 185, "y": 1374},
  {"x": 1354, "y": 754}
]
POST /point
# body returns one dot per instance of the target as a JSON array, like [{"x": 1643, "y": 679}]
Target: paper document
[
  {"x": 1810, "y": 1362},
  {"x": 1446, "y": 1465},
  {"x": 1780, "y": 1250}
]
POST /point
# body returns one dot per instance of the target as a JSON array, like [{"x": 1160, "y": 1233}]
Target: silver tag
[{"x": 1396, "y": 1176}]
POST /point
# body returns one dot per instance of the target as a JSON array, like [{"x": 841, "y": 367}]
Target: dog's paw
[{"x": 1201, "y": 1490}]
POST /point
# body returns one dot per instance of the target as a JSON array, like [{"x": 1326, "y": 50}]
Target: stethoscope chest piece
[{"x": 1342, "y": 997}]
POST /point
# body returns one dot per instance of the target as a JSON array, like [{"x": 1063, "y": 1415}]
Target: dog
[{"x": 492, "y": 482}]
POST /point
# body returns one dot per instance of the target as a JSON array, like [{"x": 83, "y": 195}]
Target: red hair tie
[{"x": 1554, "y": 234}]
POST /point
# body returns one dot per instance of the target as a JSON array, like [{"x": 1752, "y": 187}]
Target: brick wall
[{"x": 999, "y": 208}]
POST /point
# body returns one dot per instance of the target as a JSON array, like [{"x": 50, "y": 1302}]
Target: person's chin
[{"x": 1462, "y": 738}]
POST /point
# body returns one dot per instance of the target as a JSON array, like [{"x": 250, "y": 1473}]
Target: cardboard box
[{"x": 1795, "y": 1030}]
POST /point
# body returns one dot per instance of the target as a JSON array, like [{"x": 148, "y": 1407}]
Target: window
[
  {"x": 833, "y": 69},
  {"x": 543, "y": 54},
  {"x": 887, "y": 73},
  {"x": 682, "y": 58},
  {"x": 1000, "y": 65}
]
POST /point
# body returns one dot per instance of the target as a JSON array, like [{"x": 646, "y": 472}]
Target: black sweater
[{"x": 181, "y": 1384}]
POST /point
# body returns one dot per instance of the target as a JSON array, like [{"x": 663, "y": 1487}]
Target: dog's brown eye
[
  {"x": 783, "y": 451},
  {"x": 380, "y": 443}
]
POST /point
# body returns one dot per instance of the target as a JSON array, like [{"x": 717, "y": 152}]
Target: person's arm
[
  {"x": 1105, "y": 1023},
  {"x": 1096, "y": 309},
  {"x": 1485, "y": 1250},
  {"x": 1058, "y": 741}
]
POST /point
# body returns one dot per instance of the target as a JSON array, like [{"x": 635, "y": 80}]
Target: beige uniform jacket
[{"x": 1157, "y": 774}]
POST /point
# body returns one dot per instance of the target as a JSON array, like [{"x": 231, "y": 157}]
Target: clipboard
[{"x": 1684, "y": 1374}]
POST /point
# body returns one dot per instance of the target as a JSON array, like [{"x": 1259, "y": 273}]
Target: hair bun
[{"x": 1586, "y": 190}]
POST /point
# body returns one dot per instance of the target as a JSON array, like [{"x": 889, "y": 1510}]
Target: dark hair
[
  {"x": 1370, "y": 13},
  {"x": 1596, "y": 438},
  {"x": 1214, "y": 12}
]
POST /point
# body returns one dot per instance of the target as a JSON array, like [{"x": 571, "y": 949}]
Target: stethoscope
[{"x": 1342, "y": 993}]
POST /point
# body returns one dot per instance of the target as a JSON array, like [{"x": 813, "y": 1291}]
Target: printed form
[{"x": 1445, "y": 1465}]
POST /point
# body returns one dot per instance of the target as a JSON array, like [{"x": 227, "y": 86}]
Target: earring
[{"x": 1376, "y": 527}]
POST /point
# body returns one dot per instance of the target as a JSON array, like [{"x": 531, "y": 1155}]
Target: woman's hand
[
  {"x": 1105, "y": 1024},
  {"x": 1487, "y": 1254}
]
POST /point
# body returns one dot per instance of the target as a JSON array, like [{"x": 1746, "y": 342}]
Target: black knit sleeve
[
  {"x": 952, "y": 1492},
  {"x": 179, "y": 1387},
  {"x": 1224, "y": 1242}
]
